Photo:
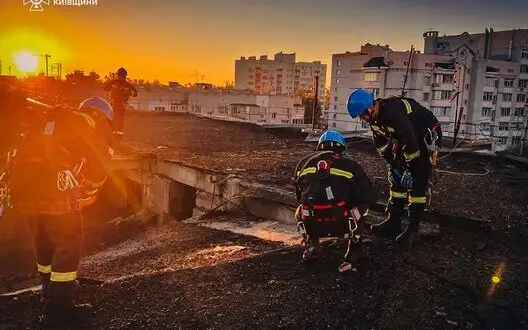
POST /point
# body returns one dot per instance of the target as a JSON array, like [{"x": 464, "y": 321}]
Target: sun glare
[{"x": 26, "y": 61}]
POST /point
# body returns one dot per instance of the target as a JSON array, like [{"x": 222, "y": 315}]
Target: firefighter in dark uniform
[
  {"x": 334, "y": 194},
  {"x": 408, "y": 136},
  {"x": 120, "y": 92},
  {"x": 53, "y": 173}
]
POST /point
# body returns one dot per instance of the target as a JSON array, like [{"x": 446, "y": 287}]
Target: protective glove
[
  {"x": 406, "y": 180},
  {"x": 394, "y": 175}
]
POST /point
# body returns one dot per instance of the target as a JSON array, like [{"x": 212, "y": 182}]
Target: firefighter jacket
[
  {"x": 402, "y": 128},
  {"x": 61, "y": 164},
  {"x": 326, "y": 178},
  {"x": 121, "y": 90}
]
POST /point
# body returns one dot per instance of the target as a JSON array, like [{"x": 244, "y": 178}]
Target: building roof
[
  {"x": 375, "y": 62},
  {"x": 245, "y": 104}
]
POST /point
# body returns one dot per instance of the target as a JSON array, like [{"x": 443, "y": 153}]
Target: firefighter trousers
[
  {"x": 416, "y": 196},
  {"x": 119, "y": 120},
  {"x": 58, "y": 244}
]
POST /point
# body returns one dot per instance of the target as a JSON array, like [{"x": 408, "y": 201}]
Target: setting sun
[{"x": 26, "y": 61}]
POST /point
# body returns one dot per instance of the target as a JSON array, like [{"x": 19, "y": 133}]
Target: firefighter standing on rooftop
[
  {"x": 53, "y": 172},
  {"x": 408, "y": 136},
  {"x": 120, "y": 90}
]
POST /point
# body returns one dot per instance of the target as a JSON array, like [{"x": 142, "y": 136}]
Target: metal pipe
[{"x": 38, "y": 103}]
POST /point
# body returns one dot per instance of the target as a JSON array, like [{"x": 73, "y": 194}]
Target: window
[
  {"x": 374, "y": 91},
  {"x": 334, "y": 125},
  {"x": 523, "y": 83},
  {"x": 503, "y": 140},
  {"x": 338, "y": 62},
  {"x": 503, "y": 126},
  {"x": 508, "y": 83},
  {"x": 507, "y": 97},
  {"x": 490, "y": 81},
  {"x": 441, "y": 95},
  {"x": 273, "y": 116},
  {"x": 443, "y": 78},
  {"x": 364, "y": 124},
  {"x": 335, "y": 98},
  {"x": 488, "y": 97},
  {"x": 335, "y": 107},
  {"x": 524, "y": 53},
  {"x": 467, "y": 86},
  {"x": 485, "y": 127},
  {"x": 338, "y": 72},
  {"x": 334, "y": 116},
  {"x": 516, "y": 140},
  {"x": 486, "y": 112},
  {"x": 371, "y": 76},
  {"x": 521, "y": 98},
  {"x": 426, "y": 96},
  {"x": 427, "y": 81},
  {"x": 337, "y": 81},
  {"x": 441, "y": 111},
  {"x": 524, "y": 68},
  {"x": 519, "y": 112},
  {"x": 505, "y": 112}
]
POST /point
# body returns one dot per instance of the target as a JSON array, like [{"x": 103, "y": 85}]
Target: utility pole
[
  {"x": 47, "y": 56},
  {"x": 316, "y": 99},
  {"x": 411, "y": 54}
]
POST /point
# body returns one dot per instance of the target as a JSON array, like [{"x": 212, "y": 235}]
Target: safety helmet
[
  {"x": 99, "y": 105},
  {"x": 358, "y": 102},
  {"x": 332, "y": 140},
  {"x": 122, "y": 72}
]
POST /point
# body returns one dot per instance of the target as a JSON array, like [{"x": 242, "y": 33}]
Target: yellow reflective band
[
  {"x": 89, "y": 119},
  {"x": 407, "y": 106},
  {"x": 390, "y": 129},
  {"x": 338, "y": 172},
  {"x": 98, "y": 184},
  {"x": 383, "y": 148},
  {"x": 91, "y": 192},
  {"x": 377, "y": 128},
  {"x": 417, "y": 200},
  {"x": 308, "y": 170},
  {"x": 63, "y": 277},
  {"x": 43, "y": 269},
  {"x": 397, "y": 194},
  {"x": 412, "y": 156},
  {"x": 366, "y": 213}
]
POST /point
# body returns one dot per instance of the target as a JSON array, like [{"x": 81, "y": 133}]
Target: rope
[{"x": 66, "y": 180}]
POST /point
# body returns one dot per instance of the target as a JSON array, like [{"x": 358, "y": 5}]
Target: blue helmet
[
  {"x": 97, "y": 104},
  {"x": 358, "y": 102},
  {"x": 330, "y": 137}
]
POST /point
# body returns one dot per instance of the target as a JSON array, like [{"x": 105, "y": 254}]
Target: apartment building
[
  {"x": 240, "y": 104},
  {"x": 488, "y": 96},
  {"x": 281, "y": 75}
]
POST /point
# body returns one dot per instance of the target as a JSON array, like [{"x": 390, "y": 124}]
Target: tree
[
  {"x": 327, "y": 99},
  {"x": 94, "y": 76},
  {"x": 309, "y": 104},
  {"x": 111, "y": 76},
  {"x": 156, "y": 83},
  {"x": 229, "y": 84}
]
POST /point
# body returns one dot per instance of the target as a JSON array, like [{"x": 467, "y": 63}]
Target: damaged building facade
[
  {"x": 229, "y": 103},
  {"x": 473, "y": 79}
]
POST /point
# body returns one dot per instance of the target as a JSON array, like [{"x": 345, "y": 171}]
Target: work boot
[
  {"x": 391, "y": 226},
  {"x": 61, "y": 311},
  {"x": 312, "y": 248},
  {"x": 411, "y": 232}
]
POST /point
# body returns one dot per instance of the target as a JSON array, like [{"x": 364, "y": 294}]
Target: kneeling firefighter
[
  {"x": 334, "y": 193},
  {"x": 55, "y": 171},
  {"x": 408, "y": 136}
]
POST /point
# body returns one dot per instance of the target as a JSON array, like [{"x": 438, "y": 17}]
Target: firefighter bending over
[
  {"x": 408, "y": 136},
  {"x": 54, "y": 172},
  {"x": 120, "y": 91},
  {"x": 334, "y": 193}
]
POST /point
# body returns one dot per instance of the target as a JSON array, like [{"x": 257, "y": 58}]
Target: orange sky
[{"x": 172, "y": 39}]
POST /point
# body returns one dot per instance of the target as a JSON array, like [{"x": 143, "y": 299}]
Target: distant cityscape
[{"x": 476, "y": 84}]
